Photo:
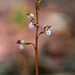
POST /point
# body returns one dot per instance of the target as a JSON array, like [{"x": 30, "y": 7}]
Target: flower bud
[
  {"x": 47, "y": 29},
  {"x": 31, "y": 16},
  {"x": 20, "y": 41},
  {"x": 39, "y": 1}
]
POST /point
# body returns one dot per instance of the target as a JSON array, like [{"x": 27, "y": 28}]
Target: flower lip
[
  {"x": 31, "y": 25},
  {"x": 48, "y": 32},
  {"x": 21, "y": 46},
  {"x": 29, "y": 17}
]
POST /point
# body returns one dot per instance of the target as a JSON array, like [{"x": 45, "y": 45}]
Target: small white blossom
[
  {"x": 21, "y": 46},
  {"x": 31, "y": 25},
  {"x": 48, "y": 32}
]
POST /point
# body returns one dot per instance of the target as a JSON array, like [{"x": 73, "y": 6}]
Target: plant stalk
[{"x": 36, "y": 43}]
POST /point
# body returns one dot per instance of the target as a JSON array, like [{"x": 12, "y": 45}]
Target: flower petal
[
  {"x": 48, "y": 32},
  {"x": 31, "y": 25},
  {"x": 21, "y": 46},
  {"x": 22, "y": 41},
  {"x": 29, "y": 17}
]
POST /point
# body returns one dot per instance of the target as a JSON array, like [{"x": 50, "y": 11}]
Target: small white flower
[
  {"x": 48, "y": 32},
  {"x": 21, "y": 46},
  {"x": 31, "y": 25}
]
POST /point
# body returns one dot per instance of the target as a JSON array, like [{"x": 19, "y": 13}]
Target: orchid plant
[{"x": 35, "y": 23}]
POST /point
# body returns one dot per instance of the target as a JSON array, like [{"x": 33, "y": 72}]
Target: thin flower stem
[
  {"x": 34, "y": 46},
  {"x": 36, "y": 42}
]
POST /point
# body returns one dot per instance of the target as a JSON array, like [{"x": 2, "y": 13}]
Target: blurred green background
[{"x": 56, "y": 52}]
